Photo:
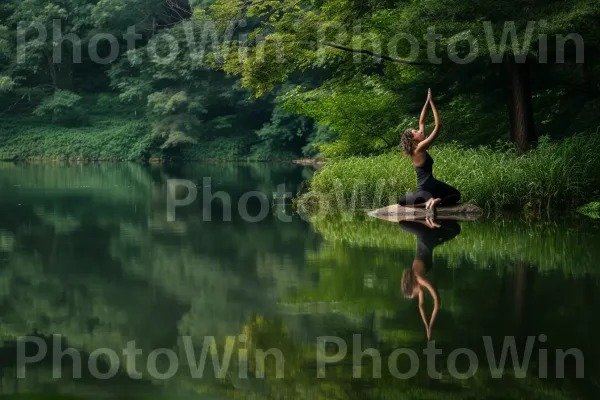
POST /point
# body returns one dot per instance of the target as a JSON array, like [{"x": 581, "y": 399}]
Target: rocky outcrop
[{"x": 397, "y": 213}]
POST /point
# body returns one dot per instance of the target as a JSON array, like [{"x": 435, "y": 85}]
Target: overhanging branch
[{"x": 368, "y": 52}]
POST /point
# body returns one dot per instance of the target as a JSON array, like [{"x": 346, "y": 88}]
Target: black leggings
[
  {"x": 433, "y": 188},
  {"x": 429, "y": 238}
]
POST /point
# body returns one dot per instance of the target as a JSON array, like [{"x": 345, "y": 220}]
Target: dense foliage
[
  {"x": 188, "y": 109},
  {"x": 278, "y": 79}
]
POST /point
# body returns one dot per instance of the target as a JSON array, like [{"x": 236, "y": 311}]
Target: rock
[
  {"x": 397, "y": 213},
  {"x": 316, "y": 164}
]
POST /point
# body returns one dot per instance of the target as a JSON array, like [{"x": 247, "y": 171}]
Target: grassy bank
[
  {"x": 110, "y": 137},
  {"x": 557, "y": 175},
  {"x": 116, "y": 138},
  {"x": 99, "y": 127}
]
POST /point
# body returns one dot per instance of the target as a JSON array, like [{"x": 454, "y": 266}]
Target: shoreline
[{"x": 154, "y": 161}]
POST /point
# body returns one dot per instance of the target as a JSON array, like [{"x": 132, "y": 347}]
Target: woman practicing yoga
[
  {"x": 429, "y": 235},
  {"x": 430, "y": 192}
]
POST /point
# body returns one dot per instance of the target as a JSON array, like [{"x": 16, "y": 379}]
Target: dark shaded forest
[{"x": 268, "y": 80}]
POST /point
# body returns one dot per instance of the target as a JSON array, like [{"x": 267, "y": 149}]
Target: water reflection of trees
[
  {"x": 92, "y": 259},
  {"x": 85, "y": 253},
  {"x": 495, "y": 279}
]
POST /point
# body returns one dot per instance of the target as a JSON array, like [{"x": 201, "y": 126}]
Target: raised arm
[
  {"x": 436, "y": 303},
  {"x": 422, "y": 311},
  {"x": 434, "y": 313},
  {"x": 424, "y": 113},
  {"x": 425, "y": 144}
]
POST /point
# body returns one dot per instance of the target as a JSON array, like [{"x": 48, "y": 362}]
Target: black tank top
[
  {"x": 428, "y": 239},
  {"x": 425, "y": 171}
]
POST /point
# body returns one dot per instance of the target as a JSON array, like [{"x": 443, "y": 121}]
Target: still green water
[{"x": 87, "y": 253}]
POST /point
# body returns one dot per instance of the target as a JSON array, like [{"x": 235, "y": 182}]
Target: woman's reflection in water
[{"x": 429, "y": 234}]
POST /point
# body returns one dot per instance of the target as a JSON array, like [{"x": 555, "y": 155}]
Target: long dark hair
[
  {"x": 407, "y": 142},
  {"x": 408, "y": 283}
]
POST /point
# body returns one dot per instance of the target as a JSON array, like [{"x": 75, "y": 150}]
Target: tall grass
[{"x": 556, "y": 175}]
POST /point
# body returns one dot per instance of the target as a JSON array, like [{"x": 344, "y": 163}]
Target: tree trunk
[
  {"x": 61, "y": 74},
  {"x": 521, "y": 104},
  {"x": 589, "y": 80},
  {"x": 524, "y": 275},
  {"x": 64, "y": 75},
  {"x": 51, "y": 70}
]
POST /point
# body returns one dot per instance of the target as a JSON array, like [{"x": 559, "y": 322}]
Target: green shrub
[
  {"x": 105, "y": 139},
  {"x": 591, "y": 210},
  {"x": 6, "y": 84},
  {"x": 266, "y": 151},
  {"x": 226, "y": 149},
  {"x": 108, "y": 103},
  {"x": 321, "y": 136},
  {"x": 555, "y": 175},
  {"x": 63, "y": 108}
]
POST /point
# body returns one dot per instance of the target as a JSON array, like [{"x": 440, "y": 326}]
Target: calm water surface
[{"x": 87, "y": 253}]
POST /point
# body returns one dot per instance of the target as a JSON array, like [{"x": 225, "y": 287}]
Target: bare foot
[
  {"x": 428, "y": 204},
  {"x": 435, "y": 202},
  {"x": 431, "y": 223}
]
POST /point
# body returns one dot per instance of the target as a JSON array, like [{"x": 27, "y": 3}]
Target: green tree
[{"x": 325, "y": 34}]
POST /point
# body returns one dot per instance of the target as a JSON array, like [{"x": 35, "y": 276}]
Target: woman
[
  {"x": 430, "y": 192},
  {"x": 429, "y": 235}
]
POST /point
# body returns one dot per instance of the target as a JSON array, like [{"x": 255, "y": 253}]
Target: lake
[{"x": 118, "y": 282}]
